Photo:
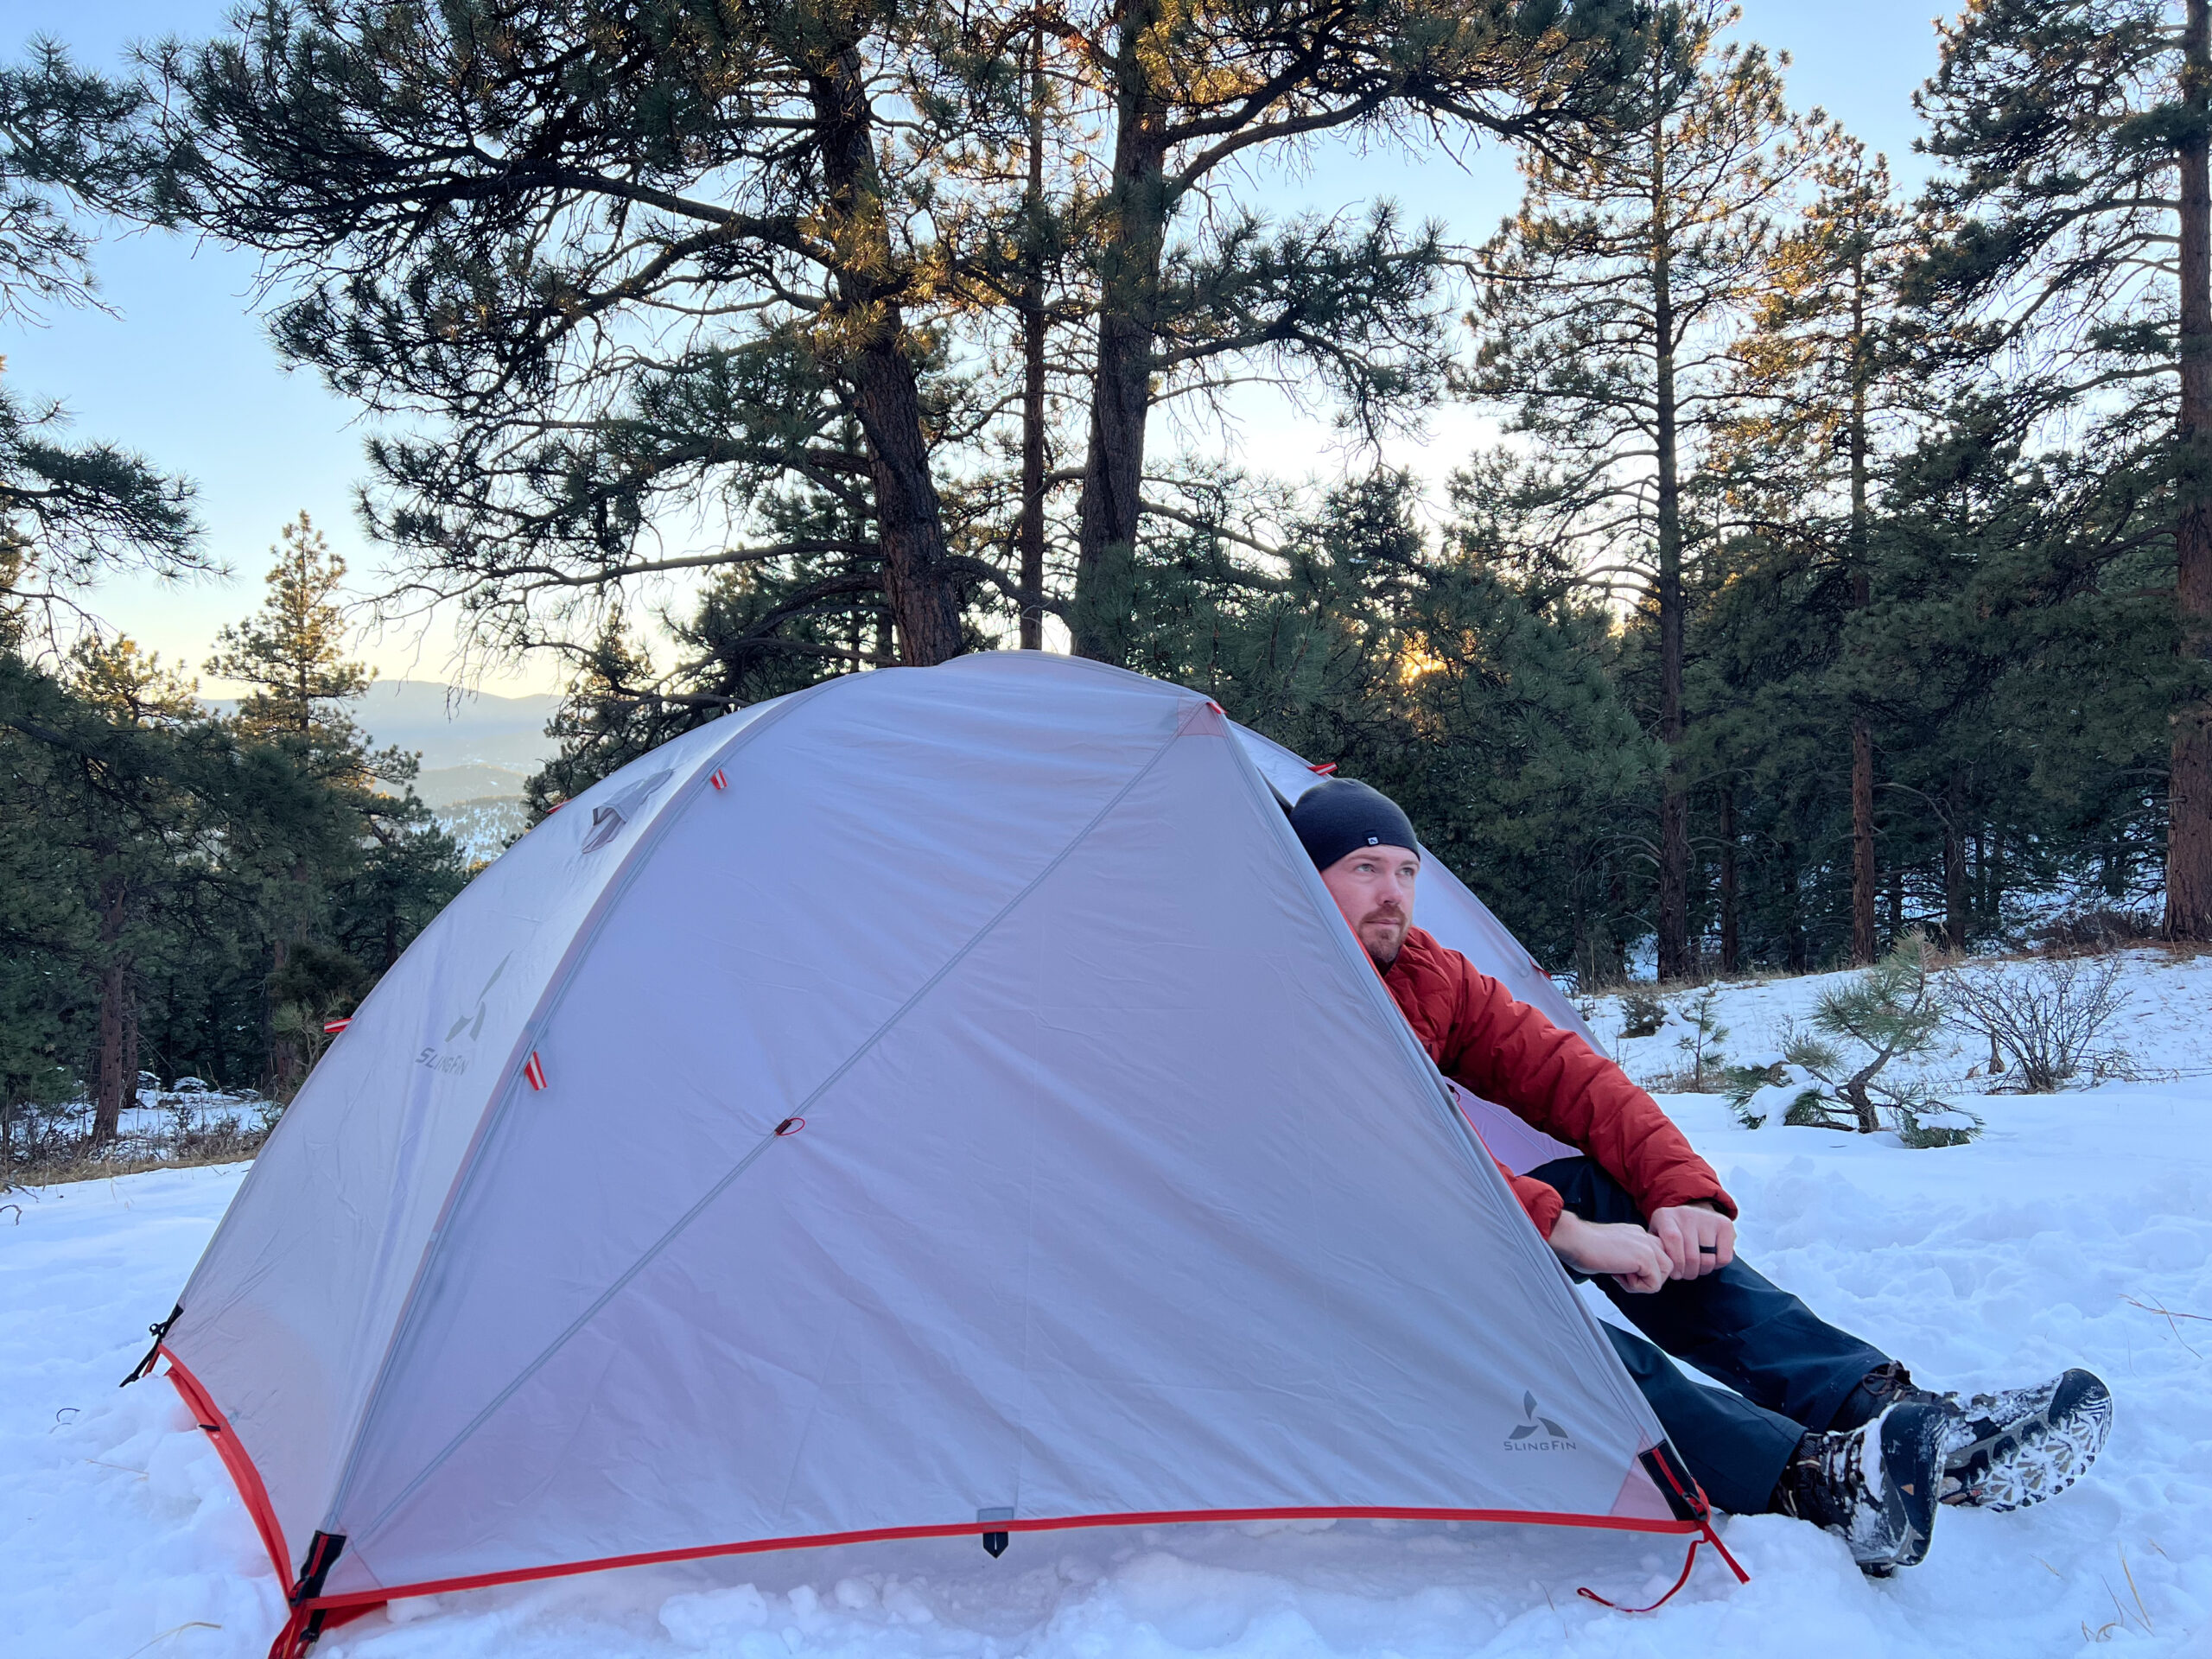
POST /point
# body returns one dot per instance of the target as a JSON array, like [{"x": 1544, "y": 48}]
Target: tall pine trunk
[
  {"x": 1029, "y": 535},
  {"x": 1863, "y": 875},
  {"x": 283, "y": 1066},
  {"x": 1732, "y": 949},
  {"x": 218, "y": 1069},
  {"x": 918, "y": 581},
  {"x": 115, "y": 1064},
  {"x": 1110, "y": 503},
  {"x": 2189, "y": 821},
  {"x": 1955, "y": 891},
  {"x": 1674, "y": 797},
  {"x": 1793, "y": 922}
]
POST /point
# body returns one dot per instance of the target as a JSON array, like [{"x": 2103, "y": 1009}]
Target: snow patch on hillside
[{"x": 2163, "y": 1024}]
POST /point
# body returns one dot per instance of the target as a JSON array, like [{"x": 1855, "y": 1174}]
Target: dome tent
[{"x": 937, "y": 1102}]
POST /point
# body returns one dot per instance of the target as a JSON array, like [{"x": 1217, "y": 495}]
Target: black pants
[{"x": 1792, "y": 1370}]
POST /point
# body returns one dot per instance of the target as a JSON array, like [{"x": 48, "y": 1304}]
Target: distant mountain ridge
[{"x": 452, "y": 728}]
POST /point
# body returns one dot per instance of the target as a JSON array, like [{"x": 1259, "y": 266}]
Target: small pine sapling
[
  {"x": 1837, "y": 1075},
  {"x": 1702, "y": 1042},
  {"x": 1760, "y": 1092},
  {"x": 1642, "y": 1013}
]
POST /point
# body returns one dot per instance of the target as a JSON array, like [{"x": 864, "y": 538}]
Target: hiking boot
[
  {"x": 2017, "y": 1446},
  {"x": 1876, "y": 1487}
]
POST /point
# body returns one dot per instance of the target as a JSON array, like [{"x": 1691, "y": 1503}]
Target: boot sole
[
  {"x": 2038, "y": 1456},
  {"x": 1912, "y": 1480}
]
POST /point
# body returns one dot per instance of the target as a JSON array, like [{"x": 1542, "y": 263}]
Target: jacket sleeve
[
  {"x": 1506, "y": 1052},
  {"x": 1542, "y": 1203}
]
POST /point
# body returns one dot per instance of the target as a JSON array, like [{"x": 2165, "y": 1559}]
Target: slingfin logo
[
  {"x": 474, "y": 1024},
  {"x": 452, "y": 1061},
  {"x": 1536, "y": 1431}
]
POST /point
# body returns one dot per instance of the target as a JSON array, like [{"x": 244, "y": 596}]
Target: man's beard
[{"x": 1384, "y": 955}]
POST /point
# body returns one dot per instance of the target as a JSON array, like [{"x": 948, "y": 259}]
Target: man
[{"x": 1822, "y": 1424}]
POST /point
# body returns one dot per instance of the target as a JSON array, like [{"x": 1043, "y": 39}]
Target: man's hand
[
  {"x": 1635, "y": 1259},
  {"x": 1697, "y": 1240}
]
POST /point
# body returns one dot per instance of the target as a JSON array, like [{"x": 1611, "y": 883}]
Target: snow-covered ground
[
  {"x": 1986, "y": 1264},
  {"x": 2163, "y": 1026}
]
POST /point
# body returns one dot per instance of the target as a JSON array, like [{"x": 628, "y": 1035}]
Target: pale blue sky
[{"x": 185, "y": 374}]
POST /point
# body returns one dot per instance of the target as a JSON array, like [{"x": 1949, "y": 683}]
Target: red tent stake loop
[
  {"x": 1705, "y": 1535},
  {"x": 1688, "y": 1561}
]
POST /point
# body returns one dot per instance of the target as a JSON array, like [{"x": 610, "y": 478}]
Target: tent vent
[
  {"x": 995, "y": 1543},
  {"x": 534, "y": 1068}
]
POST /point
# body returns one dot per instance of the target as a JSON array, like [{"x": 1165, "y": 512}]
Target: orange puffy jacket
[{"x": 1509, "y": 1053}]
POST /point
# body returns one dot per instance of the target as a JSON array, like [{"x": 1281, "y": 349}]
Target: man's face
[{"x": 1374, "y": 888}]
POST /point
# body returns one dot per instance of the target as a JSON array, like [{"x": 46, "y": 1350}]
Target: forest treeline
[
  {"x": 195, "y": 891},
  {"x": 1843, "y": 565}
]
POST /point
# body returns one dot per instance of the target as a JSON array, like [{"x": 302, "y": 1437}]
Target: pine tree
[
  {"x": 1351, "y": 306},
  {"x": 2074, "y": 138},
  {"x": 136, "y": 825},
  {"x": 1487, "y": 712},
  {"x": 69, "y": 513},
  {"x": 292, "y": 654},
  {"x": 1824, "y": 372},
  {"x": 1606, "y": 313},
  {"x": 482, "y": 237},
  {"x": 361, "y": 817}
]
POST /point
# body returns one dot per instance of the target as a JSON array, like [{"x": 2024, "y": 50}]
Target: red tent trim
[
  {"x": 256, "y": 1496},
  {"x": 244, "y": 1475},
  {"x": 976, "y": 1529}
]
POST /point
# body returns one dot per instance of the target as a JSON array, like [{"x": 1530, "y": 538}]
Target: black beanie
[{"x": 1339, "y": 815}]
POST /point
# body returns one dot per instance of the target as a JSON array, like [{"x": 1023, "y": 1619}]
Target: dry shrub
[{"x": 2044, "y": 1015}]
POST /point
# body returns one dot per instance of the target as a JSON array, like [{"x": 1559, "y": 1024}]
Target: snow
[
  {"x": 2048, "y": 1242},
  {"x": 2160, "y": 1027},
  {"x": 155, "y": 1117}
]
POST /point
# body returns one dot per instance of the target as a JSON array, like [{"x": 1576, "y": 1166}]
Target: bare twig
[
  {"x": 2141, "y": 1612},
  {"x": 2170, "y": 1315},
  {"x": 189, "y": 1625}
]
